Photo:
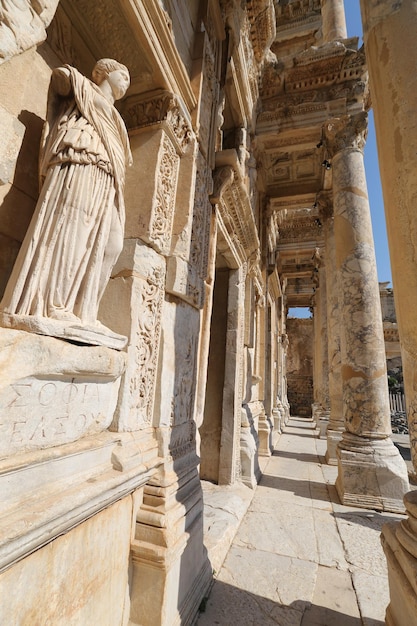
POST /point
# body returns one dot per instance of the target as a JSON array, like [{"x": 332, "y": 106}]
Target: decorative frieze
[
  {"x": 164, "y": 108},
  {"x": 262, "y": 25},
  {"x": 160, "y": 226}
]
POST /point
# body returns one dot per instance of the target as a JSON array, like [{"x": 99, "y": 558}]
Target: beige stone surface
[
  {"x": 337, "y": 576},
  {"x": 13, "y": 132},
  {"x": 52, "y": 392},
  {"x": 85, "y": 572}
]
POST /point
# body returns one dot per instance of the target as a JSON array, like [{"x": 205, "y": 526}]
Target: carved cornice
[
  {"x": 139, "y": 112},
  {"x": 299, "y": 230},
  {"x": 332, "y": 66},
  {"x": 293, "y": 13},
  {"x": 235, "y": 218},
  {"x": 262, "y": 26},
  {"x": 346, "y": 132}
]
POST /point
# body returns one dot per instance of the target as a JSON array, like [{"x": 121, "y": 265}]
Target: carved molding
[
  {"x": 160, "y": 227},
  {"x": 346, "y": 132},
  {"x": 262, "y": 26},
  {"x": 146, "y": 345},
  {"x": 162, "y": 107},
  {"x": 234, "y": 211},
  {"x": 319, "y": 74}
]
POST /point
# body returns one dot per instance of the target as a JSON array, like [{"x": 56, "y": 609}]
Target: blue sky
[{"x": 354, "y": 27}]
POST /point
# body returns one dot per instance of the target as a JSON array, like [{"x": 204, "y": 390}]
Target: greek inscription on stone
[{"x": 38, "y": 413}]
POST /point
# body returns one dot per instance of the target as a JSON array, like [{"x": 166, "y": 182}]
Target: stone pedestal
[
  {"x": 170, "y": 571},
  {"x": 371, "y": 471}
]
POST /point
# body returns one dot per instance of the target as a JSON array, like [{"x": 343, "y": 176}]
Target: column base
[
  {"x": 323, "y": 423},
  {"x": 277, "y": 417},
  {"x": 333, "y": 438},
  {"x": 371, "y": 474},
  {"x": 170, "y": 571},
  {"x": 399, "y": 541},
  {"x": 265, "y": 436}
]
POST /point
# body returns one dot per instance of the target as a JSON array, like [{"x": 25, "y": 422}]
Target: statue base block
[
  {"x": 372, "y": 474},
  {"x": 90, "y": 334}
]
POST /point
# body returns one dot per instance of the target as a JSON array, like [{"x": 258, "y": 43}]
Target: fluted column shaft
[
  {"x": 333, "y": 20},
  {"x": 366, "y": 411}
]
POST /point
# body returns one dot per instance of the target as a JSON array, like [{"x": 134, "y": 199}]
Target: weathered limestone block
[
  {"x": 12, "y": 137},
  {"x": 132, "y": 304},
  {"x": 89, "y": 589},
  {"x": 23, "y": 25},
  {"x": 53, "y": 392}
]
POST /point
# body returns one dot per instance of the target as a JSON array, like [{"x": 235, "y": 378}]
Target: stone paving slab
[{"x": 299, "y": 557}]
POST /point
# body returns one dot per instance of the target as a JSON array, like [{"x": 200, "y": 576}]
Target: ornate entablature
[
  {"x": 262, "y": 26},
  {"x": 301, "y": 230},
  {"x": 391, "y": 331},
  {"x": 296, "y": 10},
  {"x": 162, "y": 108},
  {"x": 311, "y": 72},
  {"x": 235, "y": 218}
]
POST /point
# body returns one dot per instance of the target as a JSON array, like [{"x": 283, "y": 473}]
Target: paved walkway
[{"x": 298, "y": 557}]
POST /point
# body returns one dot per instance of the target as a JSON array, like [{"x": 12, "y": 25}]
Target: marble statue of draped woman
[{"x": 76, "y": 233}]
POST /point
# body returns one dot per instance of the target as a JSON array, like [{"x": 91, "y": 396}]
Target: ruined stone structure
[{"x": 247, "y": 196}]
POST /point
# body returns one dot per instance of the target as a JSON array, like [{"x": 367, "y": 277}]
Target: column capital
[{"x": 346, "y": 132}]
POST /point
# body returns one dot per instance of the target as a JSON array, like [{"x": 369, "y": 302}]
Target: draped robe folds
[{"x": 76, "y": 232}]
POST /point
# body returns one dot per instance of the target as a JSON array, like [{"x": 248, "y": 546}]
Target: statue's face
[{"x": 119, "y": 81}]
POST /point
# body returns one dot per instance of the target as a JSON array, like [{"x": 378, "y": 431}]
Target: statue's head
[{"x": 115, "y": 73}]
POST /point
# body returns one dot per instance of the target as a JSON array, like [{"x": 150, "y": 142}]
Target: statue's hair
[{"x": 103, "y": 67}]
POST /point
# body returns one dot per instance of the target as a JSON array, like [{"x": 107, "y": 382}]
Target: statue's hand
[{"x": 60, "y": 81}]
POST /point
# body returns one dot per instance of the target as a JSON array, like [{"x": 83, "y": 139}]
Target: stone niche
[{"x": 300, "y": 366}]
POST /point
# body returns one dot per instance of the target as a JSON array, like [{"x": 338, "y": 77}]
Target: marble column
[
  {"x": 335, "y": 426},
  {"x": 371, "y": 472},
  {"x": 324, "y": 361},
  {"x": 389, "y": 35},
  {"x": 333, "y": 20},
  {"x": 316, "y": 406}
]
